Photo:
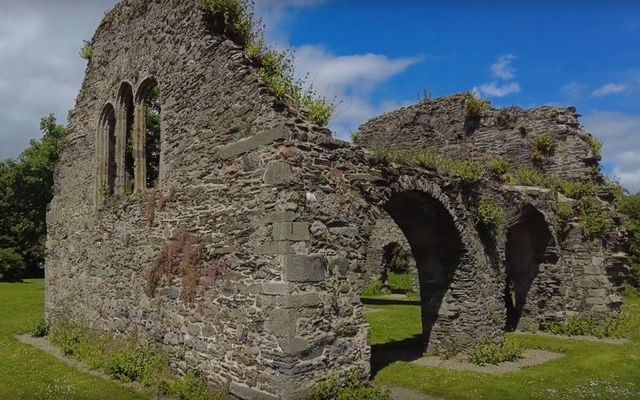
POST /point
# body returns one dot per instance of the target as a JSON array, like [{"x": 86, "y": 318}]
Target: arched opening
[
  {"x": 106, "y": 153},
  {"x": 437, "y": 248},
  {"x": 148, "y": 131},
  {"x": 126, "y": 138},
  {"x": 529, "y": 244}
]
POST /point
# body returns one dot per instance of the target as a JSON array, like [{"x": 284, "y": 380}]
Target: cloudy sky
[{"x": 375, "y": 56}]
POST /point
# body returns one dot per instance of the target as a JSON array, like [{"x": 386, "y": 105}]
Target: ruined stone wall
[
  {"x": 508, "y": 133},
  {"x": 283, "y": 214}
]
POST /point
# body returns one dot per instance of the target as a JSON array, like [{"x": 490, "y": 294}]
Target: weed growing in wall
[
  {"x": 595, "y": 145},
  {"x": 237, "y": 20},
  {"x": 490, "y": 215},
  {"x": 498, "y": 168},
  {"x": 475, "y": 108},
  {"x": 86, "y": 52}
]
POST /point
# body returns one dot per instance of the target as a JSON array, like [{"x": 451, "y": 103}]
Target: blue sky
[{"x": 378, "y": 55}]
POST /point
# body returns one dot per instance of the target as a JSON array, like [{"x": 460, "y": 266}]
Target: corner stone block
[
  {"x": 282, "y": 323},
  {"x": 301, "y": 268},
  {"x": 278, "y": 173}
]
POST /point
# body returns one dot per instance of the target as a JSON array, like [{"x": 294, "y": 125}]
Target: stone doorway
[
  {"x": 437, "y": 249},
  {"x": 526, "y": 249}
]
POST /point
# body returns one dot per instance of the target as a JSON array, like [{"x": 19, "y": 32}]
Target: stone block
[
  {"x": 294, "y": 231},
  {"x": 278, "y": 173},
  {"x": 282, "y": 323},
  {"x": 245, "y": 392},
  {"x": 274, "y": 248},
  {"x": 282, "y": 230},
  {"x": 302, "y": 268},
  {"x": 252, "y": 143},
  {"x": 276, "y": 288},
  {"x": 296, "y": 301},
  {"x": 300, "y": 231},
  {"x": 294, "y": 346},
  {"x": 279, "y": 216}
]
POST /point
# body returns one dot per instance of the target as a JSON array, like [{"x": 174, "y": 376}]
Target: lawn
[
  {"x": 27, "y": 373},
  {"x": 587, "y": 371}
]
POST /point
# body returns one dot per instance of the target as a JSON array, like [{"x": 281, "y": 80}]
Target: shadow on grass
[
  {"x": 389, "y": 302},
  {"x": 409, "y": 349}
]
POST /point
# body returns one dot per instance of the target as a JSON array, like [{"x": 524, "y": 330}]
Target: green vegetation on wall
[{"x": 237, "y": 20}]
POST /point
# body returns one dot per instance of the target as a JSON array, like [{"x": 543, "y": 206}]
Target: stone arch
[
  {"x": 436, "y": 245},
  {"x": 148, "y": 138},
  {"x": 530, "y": 244},
  {"x": 386, "y": 237},
  {"x": 106, "y": 153},
  {"x": 460, "y": 288},
  {"x": 126, "y": 140}
]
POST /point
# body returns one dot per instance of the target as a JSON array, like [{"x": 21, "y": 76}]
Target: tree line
[{"x": 26, "y": 188}]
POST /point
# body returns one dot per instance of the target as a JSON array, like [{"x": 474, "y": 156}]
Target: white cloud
[
  {"x": 494, "y": 89},
  {"x": 275, "y": 13},
  {"x": 620, "y": 134},
  {"x": 502, "y": 68},
  {"x": 574, "y": 90},
  {"x": 351, "y": 79},
  {"x": 609, "y": 89},
  {"x": 40, "y": 69},
  {"x": 505, "y": 75}
]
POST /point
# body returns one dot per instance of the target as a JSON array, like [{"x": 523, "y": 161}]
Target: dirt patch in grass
[{"x": 529, "y": 358}]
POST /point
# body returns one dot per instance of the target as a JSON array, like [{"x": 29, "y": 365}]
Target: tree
[
  {"x": 630, "y": 207},
  {"x": 26, "y": 188}
]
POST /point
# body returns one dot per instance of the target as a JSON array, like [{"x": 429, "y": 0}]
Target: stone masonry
[{"x": 247, "y": 260}]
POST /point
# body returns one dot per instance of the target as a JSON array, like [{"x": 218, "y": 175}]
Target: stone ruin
[{"x": 247, "y": 257}]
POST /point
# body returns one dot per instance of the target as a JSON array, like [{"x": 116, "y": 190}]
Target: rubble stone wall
[{"x": 246, "y": 263}]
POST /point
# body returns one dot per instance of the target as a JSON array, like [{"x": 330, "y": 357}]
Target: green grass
[
  {"x": 28, "y": 373},
  {"x": 587, "y": 371}
]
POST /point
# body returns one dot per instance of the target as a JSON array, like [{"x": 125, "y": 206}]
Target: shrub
[
  {"x": 595, "y": 221},
  {"x": 489, "y": 215},
  {"x": 191, "y": 387},
  {"x": 595, "y": 145},
  {"x": 564, "y": 214},
  {"x": 578, "y": 326},
  {"x": 526, "y": 177},
  {"x": 68, "y": 336},
  {"x": 375, "y": 288},
  {"x": 499, "y": 167},
  {"x": 469, "y": 172},
  {"x": 474, "y": 108},
  {"x": 12, "y": 265},
  {"x": 86, "y": 52},
  {"x": 350, "y": 388},
  {"x": 545, "y": 143},
  {"x": 575, "y": 190},
  {"x": 236, "y": 17},
  {"x": 134, "y": 364},
  {"x": 129, "y": 361},
  {"x": 496, "y": 353},
  {"x": 41, "y": 329}
]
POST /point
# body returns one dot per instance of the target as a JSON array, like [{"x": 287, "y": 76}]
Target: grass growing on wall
[{"x": 238, "y": 22}]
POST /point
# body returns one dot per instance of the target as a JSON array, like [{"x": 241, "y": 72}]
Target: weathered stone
[
  {"x": 282, "y": 323},
  {"x": 252, "y": 143},
  {"x": 235, "y": 197},
  {"x": 300, "y": 268},
  {"x": 278, "y": 173}
]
